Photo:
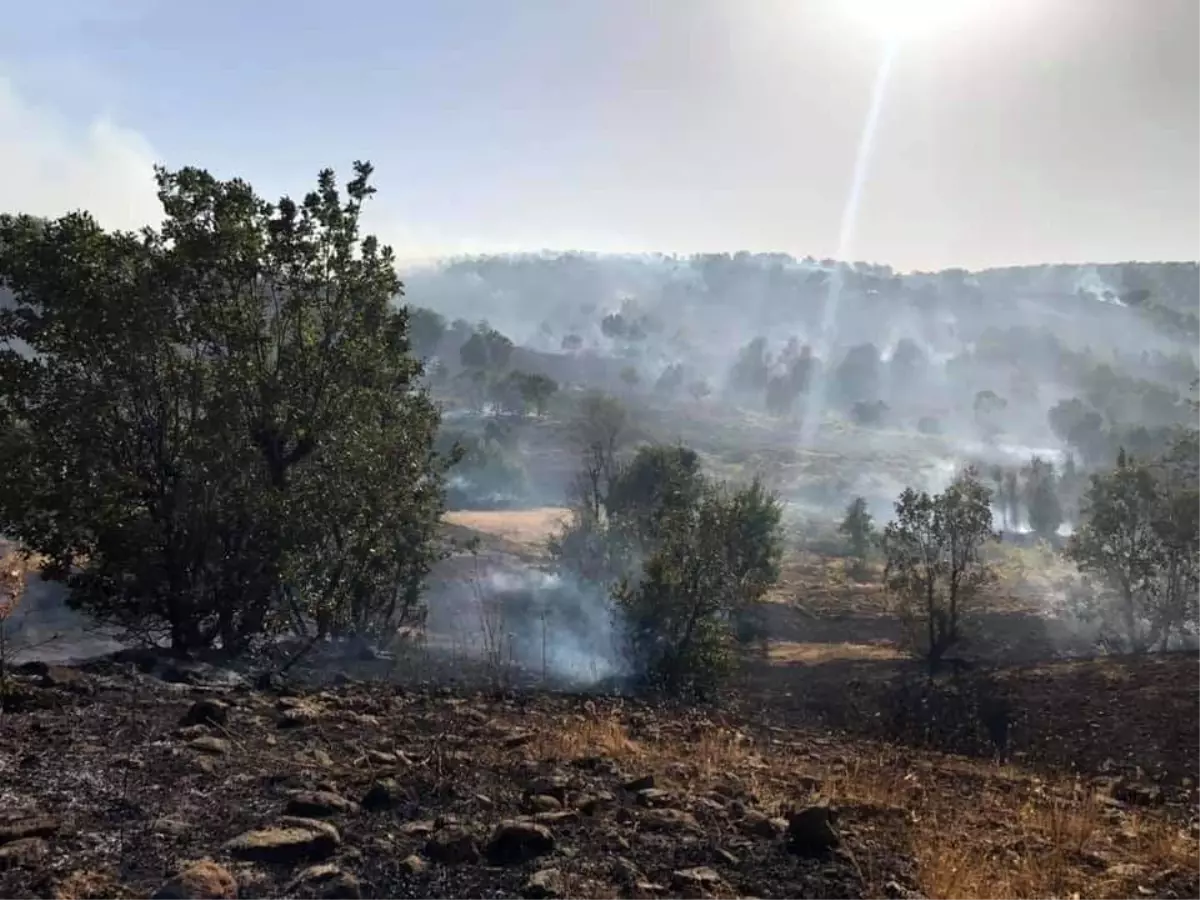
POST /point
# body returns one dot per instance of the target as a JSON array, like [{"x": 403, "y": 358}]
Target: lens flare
[{"x": 900, "y": 20}]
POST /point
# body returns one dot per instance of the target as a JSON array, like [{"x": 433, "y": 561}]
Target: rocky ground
[{"x": 133, "y": 778}]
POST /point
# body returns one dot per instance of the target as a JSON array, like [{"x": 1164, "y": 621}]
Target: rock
[
  {"x": 82, "y": 883},
  {"x": 28, "y": 827},
  {"x": 894, "y": 890},
  {"x": 170, "y": 826},
  {"x": 1137, "y": 794},
  {"x": 417, "y": 829},
  {"x": 385, "y": 793},
  {"x": 293, "y": 840},
  {"x": 314, "y": 756},
  {"x": 761, "y": 825},
  {"x": 652, "y": 798},
  {"x": 811, "y": 831},
  {"x": 203, "y": 880},
  {"x": 555, "y": 786},
  {"x": 726, "y": 857},
  {"x": 543, "y": 803},
  {"x": 556, "y": 816},
  {"x": 210, "y": 744},
  {"x": 668, "y": 820},
  {"x": 204, "y": 764},
  {"x": 644, "y": 783},
  {"x": 319, "y": 805},
  {"x": 206, "y": 711},
  {"x": 700, "y": 879},
  {"x": 382, "y": 758},
  {"x": 412, "y": 865},
  {"x": 298, "y": 716},
  {"x": 546, "y": 884},
  {"x": 589, "y": 805},
  {"x": 517, "y": 841},
  {"x": 451, "y": 845},
  {"x": 327, "y": 882},
  {"x": 517, "y": 739},
  {"x": 24, "y": 852}
]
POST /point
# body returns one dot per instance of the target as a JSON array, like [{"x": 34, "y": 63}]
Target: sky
[{"x": 1013, "y": 132}]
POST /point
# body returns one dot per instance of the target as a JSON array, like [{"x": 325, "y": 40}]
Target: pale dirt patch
[
  {"x": 520, "y": 526},
  {"x": 797, "y": 652}
]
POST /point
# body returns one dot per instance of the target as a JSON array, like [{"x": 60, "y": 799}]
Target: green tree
[
  {"x": 1041, "y": 499},
  {"x": 1117, "y": 541},
  {"x": 486, "y": 349},
  {"x": 697, "y": 596},
  {"x": 426, "y": 330},
  {"x": 537, "y": 389},
  {"x": 858, "y": 526},
  {"x": 935, "y": 566},
  {"x": 216, "y": 430}
]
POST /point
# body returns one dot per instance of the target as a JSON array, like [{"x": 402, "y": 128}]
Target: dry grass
[
  {"x": 520, "y": 526},
  {"x": 973, "y": 829},
  {"x": 811, "y": 654}
]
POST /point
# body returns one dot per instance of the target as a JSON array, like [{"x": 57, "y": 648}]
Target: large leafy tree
[
  {"x": 213, "y": 429},
  {"x": 935, "y": 566}
]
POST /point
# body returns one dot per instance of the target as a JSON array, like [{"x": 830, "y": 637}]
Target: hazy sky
[{"x": 1023, "y": 131}]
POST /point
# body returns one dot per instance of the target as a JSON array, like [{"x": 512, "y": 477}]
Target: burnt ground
[
  {"x": 115, "y": 776},
  {"x": 113, "y": 780}
]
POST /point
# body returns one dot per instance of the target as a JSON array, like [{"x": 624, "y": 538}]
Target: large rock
[
  {"x": 292, "y": 840},
  {"x": 516, "y": 841},
  {"x": 203, "y": 880}
]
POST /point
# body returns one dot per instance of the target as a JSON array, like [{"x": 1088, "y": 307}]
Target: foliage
[
  {"x": 1041, "y": 499},
  {"x": 700, "y": 587},
  {"x": 216, "y": 430},
  {"x": 687, "y": 562},
  {"x": 599, "y": 431},
  {"x": 426, "y": 330},
  {"x": 1140, "y": 536},
  {"x": 858, "y": 527},
  {"x": 486, "y": 349},
  {"x": 935, "y": 568}
]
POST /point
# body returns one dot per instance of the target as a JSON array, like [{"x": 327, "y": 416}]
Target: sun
[{"x": 900, "y": 20}]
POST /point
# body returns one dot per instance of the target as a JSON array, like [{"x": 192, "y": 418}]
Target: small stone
[
  {"x": 170, "y": 826},
  {"x": 452, "y": 845},
  {"x": 555, "y": 786},
  {"x": 726, "y": 857},
  {"x": 652, "y": 798},
  {"x": 543, "y": 803},
  {"x": 385, "y": 793},
  {"x": 23, "y": 853},
  {"x": 203, "y": 880},
  {"x": 319, "y": 805},
  {"x": 412, "y": 865},
  {"x": 546, "y": 884},
  {"x": 700, "y": 878},
  {"x": 382, "y": 758},
  {"x": 210, "y": 744},
  {"x": 32, "y": 826},
  {"x": 206, "y": 711},
  {"x": 761, "y": 825},
  {"x": 516, "y": 841},
  {"x": 327, "y": 882},
  {"x": 668, "y": 820},
  {"x": 645, "y": 782},
  {"x": 298, "y": 716}
]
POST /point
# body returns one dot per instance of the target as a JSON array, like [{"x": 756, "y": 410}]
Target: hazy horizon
[{"x": 1017, "y": 133}]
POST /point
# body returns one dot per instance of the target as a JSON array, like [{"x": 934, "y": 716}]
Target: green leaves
[
  {"x": 935, "y": 567},
  {"x": 211, "y": 411}
]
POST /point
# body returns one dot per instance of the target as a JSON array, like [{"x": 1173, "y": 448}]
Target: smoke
[
  {"x": 510, "y": 614},
  {"x": 50, "y": 168}
]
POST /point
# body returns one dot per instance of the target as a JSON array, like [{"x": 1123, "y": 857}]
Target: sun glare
[{"x": 899, "y": 20}]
